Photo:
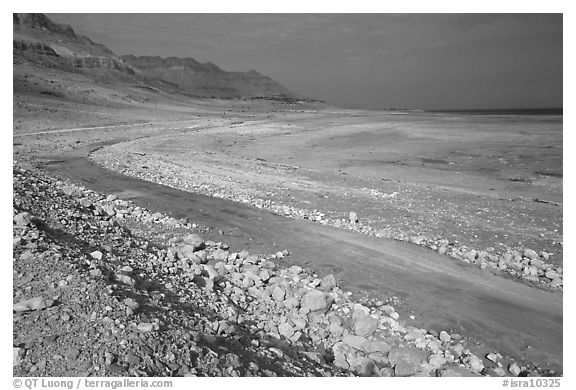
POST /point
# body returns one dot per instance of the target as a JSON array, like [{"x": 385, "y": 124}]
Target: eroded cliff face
[
  {"x": 39, "y": 40},
  {"x": 103, "y": 63},
  {"x": 205, "y": 79}
]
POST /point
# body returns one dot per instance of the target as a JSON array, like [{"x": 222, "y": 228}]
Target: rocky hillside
[
  {"x": 40, "y": 41},
  {"x": 106, "y": 288},
  {"x": 204, "y": 79}
]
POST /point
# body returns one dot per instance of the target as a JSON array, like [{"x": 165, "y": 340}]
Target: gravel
[{"x": 106, "y": 288}]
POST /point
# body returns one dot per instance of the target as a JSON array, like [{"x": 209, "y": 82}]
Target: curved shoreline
[
  {"x": 538, "y": 319},
  {"x": 519, "y": 263}
]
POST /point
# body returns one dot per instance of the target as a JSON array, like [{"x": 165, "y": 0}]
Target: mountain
[
  {"x": 204, "y": 79},
  {"x": 40, "y": 45}
]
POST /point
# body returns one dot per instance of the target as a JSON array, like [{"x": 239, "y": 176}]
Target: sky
[{"x": 420, "y": 61}]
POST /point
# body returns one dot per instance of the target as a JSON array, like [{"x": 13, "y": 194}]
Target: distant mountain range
[{"x": 41, "y": 43}]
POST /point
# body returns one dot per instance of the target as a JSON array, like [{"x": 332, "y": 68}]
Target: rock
[
  {"x": 551, "y": 274},
  {"x": 17, "y": 355},
  {"x": 531, "y": 254},
  {"x": 187, "y": 252},
  {"x": 339, "y": 350},
  {"x": 363, "y": 366},
  {"x": 278, "y": 294},
  {"x": 71, "y": 191},
  {"x": 85, "y": 202},
  {"x": 436, "y": 361},
  {"x": 476, "y": 364},
  {"x": 194, "y": 240},
  {"x": 36, "y": 303},
  {"x": 357, "y": 342},
  {"x": 131, "y": 303},
  {"x": 132, "y": 359},
  {"x": 22, "y": 219},
  {"x": 557, "y": 281},
  {"x": 458, "y": 349},
  {"x": 252, "y": 259},
  {"x": 537, "y": 263},
  {"x": 96, "y": 255},
  {"x": 377, "y": 347},
  {"x": 276, "y": 351},
  {"x": 72, "y": 354},
  {"x": 146, "y": 327},
  {"x": 353, "y": 217},
  {"x": 295, "y": 270},
  {"x": 203, "y": 282},
  {"x": 221, "y": 268},
  {"x": 285, "y": 330},
  {"x": 434, "y": 345},
  {"x": 210, "y": 270},
  {"x": 314, "y": 356},
  {"x": 456, "y": 371},
  {"x": 406, "y": 360},
  {"x": 220, "y": 255},
  {"x": 365, "y": 326},
  {"x": 514, "y": 369},
  {"x": 360, "y": 311},
  {"x": 444, "y": 337},
  {"x": 317, "y": 301},
  {"x": 328, "y": 283},
  {"x": 299, "y": 323},
  {"x": 493, "y": 357},
  {"x": 125, "y": 279}
]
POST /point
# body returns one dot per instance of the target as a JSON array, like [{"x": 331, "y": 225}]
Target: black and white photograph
[{"x": 287, "y": 194}]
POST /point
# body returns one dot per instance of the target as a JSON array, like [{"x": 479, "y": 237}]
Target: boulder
[
  {"x": 195, "y": 240},
  {"x": 357, "y": 342},
  {"x": 339, "y": 350},
  {"x": 365, "y": 326},
  {"x": 476, "y": 364},
  {"x": 531, "y": 254},
  {"x": 406, "y": 360},
  {"x": 278, "y": 294},
  {"x": 317, "y": 301},
  {"x": 285, "y": 330},
  {"x": 328, "y": 283}
]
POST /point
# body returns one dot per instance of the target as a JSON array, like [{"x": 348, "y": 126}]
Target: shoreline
[
  {"x": 417, "y": 338},
  {"x": 196, "y": 175}
]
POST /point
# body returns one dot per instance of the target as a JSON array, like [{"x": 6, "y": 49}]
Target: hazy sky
[{"x": 371, "y": 60}]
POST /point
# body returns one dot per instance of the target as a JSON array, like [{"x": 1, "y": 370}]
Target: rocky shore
[
  {"x": 106, "y": 288},
  {"x": 517, "y": 262}
]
